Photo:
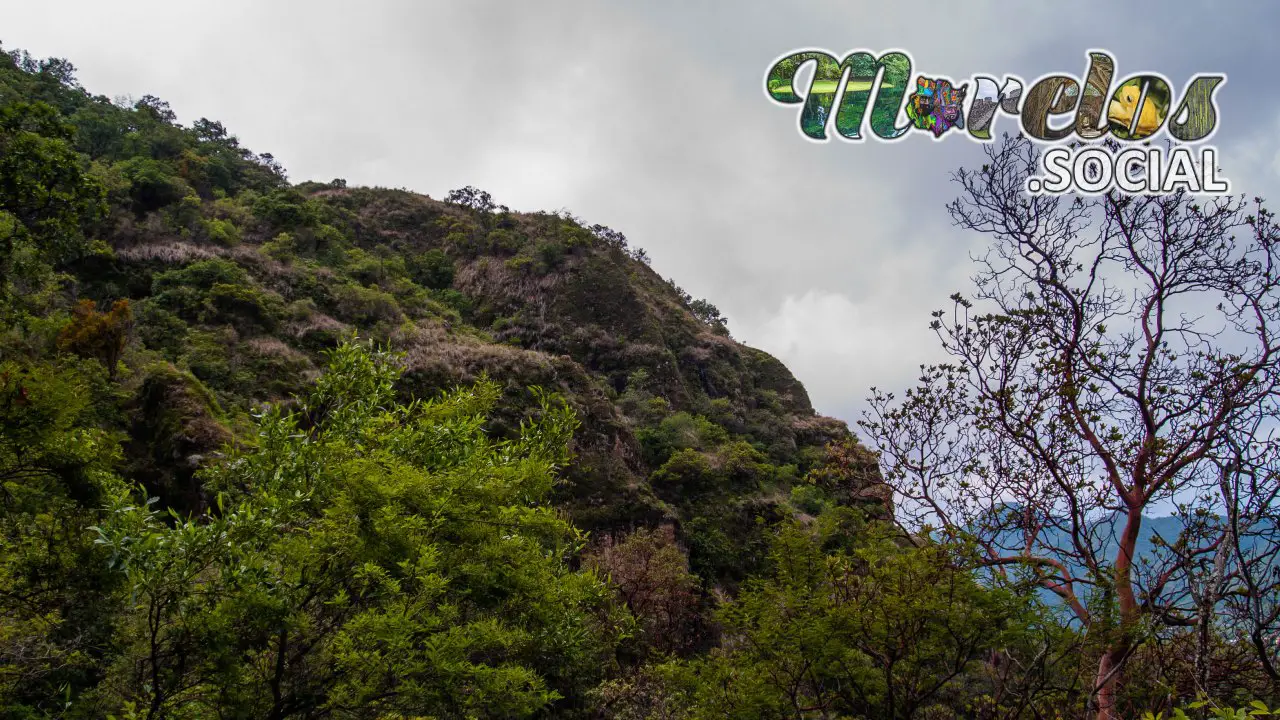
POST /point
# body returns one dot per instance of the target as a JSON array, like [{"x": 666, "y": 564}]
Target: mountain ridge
[{"x": 237, "y": 281}]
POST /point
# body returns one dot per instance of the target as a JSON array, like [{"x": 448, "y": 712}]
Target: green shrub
[
  {"x": 677, "y": 432},
  {"x": 284, "y": 209},
  {"x": 241, "y": 306},
  {"x": 550, "y": 253},
  {"x": 203, "y": 274},
  {"x": 151, "y": 186},
  {"x": 685, "y": 474},
  {"x": 160, "y": 330},
  {"x": 184, "y": 216},
  {"x": 879, "y": 627},
  {"x": 214, "y": 292},
  {"x": 381, "y": 268},
  {"x": 222, "y": 232},
  {"x": 366, "y": 306},
  {"x": 504, "y": 241},
  {"x": 328, "y": 238},
  {"x": 1212, "y": 711},
  {"x": 282, "y": 247},
  {"x": 300, "y": 309},
  {"x": 433, "y": 269},
  {"x": 208, "y": 357},
  {"x": 459, "y": 302},
  {"x": 519, "y": 263},
  {"x": 233, "y": 211},
  {"x": 183, "y": 291},
  {"x": 807, "y": 499}
]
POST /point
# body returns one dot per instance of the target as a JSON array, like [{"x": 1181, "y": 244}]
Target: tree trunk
[
  {"x": 1208, "y": 603},
  {"x": 1109, "y": 671},
  {"x": 1111, "y": 664}
]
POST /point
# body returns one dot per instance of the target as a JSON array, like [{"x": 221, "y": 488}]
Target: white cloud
[{"x": 839, "y": 344}]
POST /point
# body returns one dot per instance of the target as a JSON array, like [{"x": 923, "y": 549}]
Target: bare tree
[
  {"x": 1115, "y": 349},
  {"x": 1250, "y": 546}
]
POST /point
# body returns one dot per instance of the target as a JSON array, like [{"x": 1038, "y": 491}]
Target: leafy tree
[
  {"x": 609, "y": 236},
  {"x": 98, "y": 335},
  {"x": 214, "y": 132},
  {"x": 157, "y": 108},
  {"x": 434, "y": 269},
  {"x": 269, "y": 162},
  {"x": 852, "y": 622},
  {"x": 703, "y": 310},
  {"x": 100, "y": 130},
  {"x": 707, "y": 313},
  {"x": 55, "y": 587},
  {"x": 474, "y": 198},
  {"x": 151, "y": 186},
  {"x": 47, "y": 198},
  {"x": 679, "y": 431},
  {"x": 366, "y": 559},
  {"x": 285, "y": 210}
]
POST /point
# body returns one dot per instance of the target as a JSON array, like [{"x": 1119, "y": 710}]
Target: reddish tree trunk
[
  {"x": 1108, "y": 676},
  {"x": 1111, "y": 664}
]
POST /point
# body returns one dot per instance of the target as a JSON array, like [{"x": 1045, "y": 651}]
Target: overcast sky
[{"x": 651, "y": 118}]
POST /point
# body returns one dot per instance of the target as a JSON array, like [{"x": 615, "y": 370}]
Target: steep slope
[{"x": 237, "y": 281}]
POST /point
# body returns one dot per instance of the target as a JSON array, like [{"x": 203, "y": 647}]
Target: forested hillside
[
  {"x": 307, "y": 450},
  {"x": 207, "y": 285},
  {"x": 163, "y": 285}
]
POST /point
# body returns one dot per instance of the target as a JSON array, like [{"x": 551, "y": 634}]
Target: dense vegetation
[{"x": 273, "y": 450}]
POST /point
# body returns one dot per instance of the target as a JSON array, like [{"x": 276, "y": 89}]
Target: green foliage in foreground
[
  {"x": 365, "y": 559},
  {"x": 54, "y": 473},
  {"x": 852, "y": 620},
  {"x": 1255, "y": 709}
]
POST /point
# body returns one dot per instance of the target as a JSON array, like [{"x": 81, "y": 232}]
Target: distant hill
[{"x": 1167, "y": 528}]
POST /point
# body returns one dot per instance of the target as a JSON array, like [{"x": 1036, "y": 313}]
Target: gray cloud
[{"x": 651, "y": 118}]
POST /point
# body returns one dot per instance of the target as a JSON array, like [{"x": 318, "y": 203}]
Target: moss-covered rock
[{"x": 174, "y": 425}]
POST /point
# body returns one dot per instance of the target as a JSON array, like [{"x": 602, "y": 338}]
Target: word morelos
[{"x": 1138, "y": 107}]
